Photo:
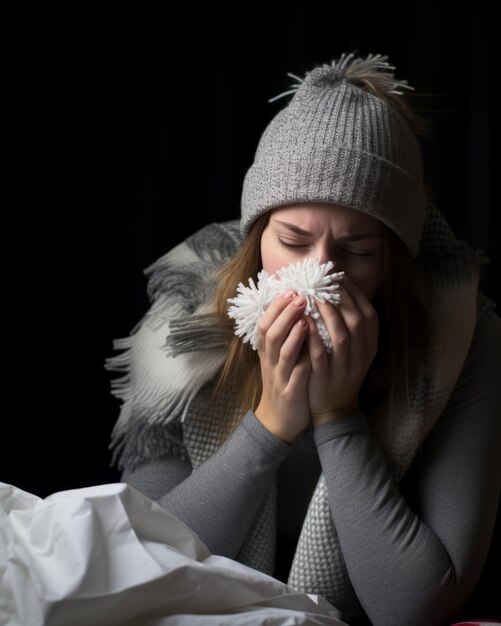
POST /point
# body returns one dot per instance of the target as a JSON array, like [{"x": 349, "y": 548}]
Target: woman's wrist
[
  {"x": 322, "y": 417},
  {"x": 273, "y": 428}
]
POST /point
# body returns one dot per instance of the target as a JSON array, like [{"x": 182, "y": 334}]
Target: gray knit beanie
[{"x": 336, "y": 142}]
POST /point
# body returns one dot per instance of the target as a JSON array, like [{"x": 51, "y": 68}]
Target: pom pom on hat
[{"x": 371, "y": 69}]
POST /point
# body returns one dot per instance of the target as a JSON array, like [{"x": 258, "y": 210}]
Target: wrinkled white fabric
[{"x": 106, "y": 555}]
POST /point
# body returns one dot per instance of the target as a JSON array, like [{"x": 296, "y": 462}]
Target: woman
[{"x": 361, "y": 477}]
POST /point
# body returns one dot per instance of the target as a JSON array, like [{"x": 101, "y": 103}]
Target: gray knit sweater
[{"x": 414, "y": 553}]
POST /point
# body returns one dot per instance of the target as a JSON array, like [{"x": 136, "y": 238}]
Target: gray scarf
[{"x": 171, "y": 356}]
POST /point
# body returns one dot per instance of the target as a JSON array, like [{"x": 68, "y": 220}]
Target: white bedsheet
[{"x": 107, "y": 555}]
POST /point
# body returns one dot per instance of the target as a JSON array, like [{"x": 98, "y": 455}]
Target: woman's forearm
[
  {"x": 403, "y": 568},
  {"x": 220, "y": 498}
]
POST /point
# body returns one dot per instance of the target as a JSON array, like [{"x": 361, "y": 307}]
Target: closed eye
[
  {"x": 359, "y": 253},
  {"x": 304, "y": 245},
  {"x": 292, "y": 245}
]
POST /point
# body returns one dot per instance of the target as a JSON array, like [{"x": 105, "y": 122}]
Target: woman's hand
[
  {"x": 285, "y": 366},
  {"x": 335, "y": 382}
]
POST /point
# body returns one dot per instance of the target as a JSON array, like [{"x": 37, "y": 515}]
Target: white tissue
[{"x": 308, "y": 278}]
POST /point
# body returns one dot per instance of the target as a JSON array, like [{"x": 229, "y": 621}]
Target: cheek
[
  {"x": 368, "y": 284},
  {"x": 273, "y": 255},
  {"x": 368, "y": 277}
]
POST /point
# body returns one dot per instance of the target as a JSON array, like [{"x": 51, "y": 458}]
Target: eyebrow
[{"x": 357, "y": 237}]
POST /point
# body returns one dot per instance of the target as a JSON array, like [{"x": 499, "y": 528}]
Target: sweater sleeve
[
  {"x": 419, "y": 564},
  {"x": 220, "y": 498}
]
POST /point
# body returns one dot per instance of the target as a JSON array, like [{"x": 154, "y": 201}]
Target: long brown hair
[{"x": 412, "y": 336}]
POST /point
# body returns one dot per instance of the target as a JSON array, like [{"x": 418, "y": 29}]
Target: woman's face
[{"x": 330, "y": 232}]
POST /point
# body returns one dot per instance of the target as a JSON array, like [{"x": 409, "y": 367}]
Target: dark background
[{"x": 132, "y": 129}]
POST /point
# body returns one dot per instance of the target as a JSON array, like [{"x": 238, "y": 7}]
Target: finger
[
  {"x": 271, "y": 314},
  {"x": 354, "y": 320},
  {"x": 367, "y": 310},
  {"x": 291, "y": 349},
  {"x": 273, "y": 311},
  {"x": 338, "y": 331},
  {"x": 277, "y": 333},
  {"x": 316, "y": 348},
  {"x": 301, "y": 371}
]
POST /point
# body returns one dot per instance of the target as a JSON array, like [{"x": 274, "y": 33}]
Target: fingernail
[
  {"x": 302, "y": 323},
  {"x": 299, "y": 301},
  {"x": 288, "y": 295}
]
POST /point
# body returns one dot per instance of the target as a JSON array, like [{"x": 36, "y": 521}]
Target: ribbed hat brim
[{"x": 348, "y": 177}]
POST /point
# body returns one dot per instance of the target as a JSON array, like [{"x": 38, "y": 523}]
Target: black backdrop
[
  {"x": 131, "y": 129},
  {"x": 140, "y": 127}
]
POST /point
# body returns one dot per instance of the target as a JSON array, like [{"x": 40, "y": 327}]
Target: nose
[{"x": 324, "y": 254}]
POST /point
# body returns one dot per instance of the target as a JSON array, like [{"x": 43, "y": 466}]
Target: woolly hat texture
[{"x": 336, "y": 142}]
